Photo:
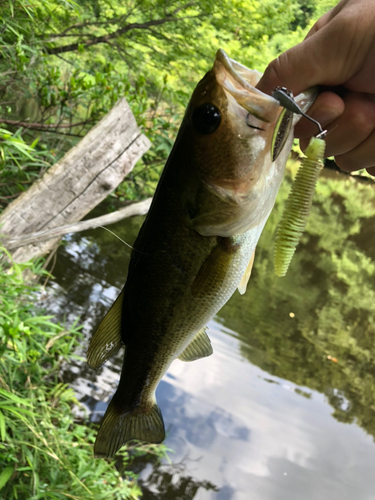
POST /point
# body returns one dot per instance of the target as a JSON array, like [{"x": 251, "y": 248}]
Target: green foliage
[
  {"x": 329, "y": 288},
  {"x": 63, "y": 64},
  {"x": 44, "y": 452},
  {"x": 20, "y": 164}
]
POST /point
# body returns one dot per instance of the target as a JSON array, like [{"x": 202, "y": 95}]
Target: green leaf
[
  {"x": 5, "y": 475},
  {"x": 14, "y": 398},
  {"x": 18, "y": 412},
  {"x": 2, "y": 426}
]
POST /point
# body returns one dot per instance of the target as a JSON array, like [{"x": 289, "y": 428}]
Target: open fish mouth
[{"x": 239, "y": 82}]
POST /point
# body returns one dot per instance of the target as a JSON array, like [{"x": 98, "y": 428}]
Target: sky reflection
[{"x": 268, "y": 416}]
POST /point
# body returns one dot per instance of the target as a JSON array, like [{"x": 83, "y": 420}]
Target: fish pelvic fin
[
  {"x": 199, "y": 347},
  {"x": 118, "y": 427},
  {"x": 216, "y": 267},
  {"x": 107, "y": 338},
  {"x": 245, "y": 278}
]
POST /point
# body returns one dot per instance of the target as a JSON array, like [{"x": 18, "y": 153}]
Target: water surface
[{"x": 285, "y": 407}]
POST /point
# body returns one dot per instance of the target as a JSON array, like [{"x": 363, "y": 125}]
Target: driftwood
[
  {"x": 140, "y": 208},
  {"x": 77, "y": 183}
]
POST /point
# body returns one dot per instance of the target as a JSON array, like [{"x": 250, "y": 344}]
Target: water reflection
[
  {"x": 266, "y": 416},
  {"x": 168, "y": 482}
]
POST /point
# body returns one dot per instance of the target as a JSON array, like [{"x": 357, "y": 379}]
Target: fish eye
[{"x": 206, "y": 118}]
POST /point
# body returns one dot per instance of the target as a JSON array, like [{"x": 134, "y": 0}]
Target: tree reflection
[
  {"x": 170, "y": 482},
  {"x": 329, "y": 289},
  {"x": 316, "y": 326}
]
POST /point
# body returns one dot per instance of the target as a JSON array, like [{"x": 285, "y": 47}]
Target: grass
[{"x": 44, "y": 452}]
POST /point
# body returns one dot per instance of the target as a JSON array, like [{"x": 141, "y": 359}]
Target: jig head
[{"x": 286, "y": 100}]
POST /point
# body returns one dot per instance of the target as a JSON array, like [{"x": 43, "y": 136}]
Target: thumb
[{"x": 318, "y": 60}]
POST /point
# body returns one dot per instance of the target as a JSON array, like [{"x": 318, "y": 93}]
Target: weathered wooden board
[{"x": 78, "y": 182}]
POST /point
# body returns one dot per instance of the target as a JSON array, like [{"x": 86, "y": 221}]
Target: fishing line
[{"x": 118, "y": 237}]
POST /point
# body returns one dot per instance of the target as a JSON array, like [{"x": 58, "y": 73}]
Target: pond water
[{"x": 285, "y": 407}]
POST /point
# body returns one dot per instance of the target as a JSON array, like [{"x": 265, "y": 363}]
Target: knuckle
[
  {"x": 362, "y": 117},
  {"x": 275, "y": 71},
  {"x": 361, "y": 123},
  {"x": 276, "y": 67}
]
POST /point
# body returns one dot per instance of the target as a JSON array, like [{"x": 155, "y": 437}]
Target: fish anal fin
[
  {"x": 118, "y": 427},
  {"x": 107, "y": 338},
  {"x": 214, "y": 270},
  {"x": 245, "y": 278},
  {"x": 199, "y": 347}
]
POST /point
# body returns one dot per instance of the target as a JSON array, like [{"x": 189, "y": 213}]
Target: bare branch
[
  {"x": 41, "y": 126},
  {"x": 140, "y": 208},
  {"x": 10, "y": 196}
]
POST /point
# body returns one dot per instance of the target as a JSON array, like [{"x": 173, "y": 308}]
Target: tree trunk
[{"x": 77, "y": 183}]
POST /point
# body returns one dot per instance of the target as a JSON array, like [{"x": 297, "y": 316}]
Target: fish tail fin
[
  {"x": 107, "y": 338},
  {"x": 119, "y": 426}
]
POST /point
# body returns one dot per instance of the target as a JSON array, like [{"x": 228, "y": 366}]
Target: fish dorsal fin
[
  {"x": 216, "y": 267},
  {"x": 245, "y": 278},
  {"x": 199, "y": 347},
  {"x": 107, "y": 338}
]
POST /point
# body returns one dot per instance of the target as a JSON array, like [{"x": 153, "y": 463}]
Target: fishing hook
[{"x": 286, "y": 100}]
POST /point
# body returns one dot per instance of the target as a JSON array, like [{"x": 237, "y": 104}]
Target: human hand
[{"x": 339, "y": 50}]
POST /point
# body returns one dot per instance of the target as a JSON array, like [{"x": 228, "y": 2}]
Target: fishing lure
[{"x": 298, "y": 204}]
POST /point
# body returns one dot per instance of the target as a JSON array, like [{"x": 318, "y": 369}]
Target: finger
[
  {"x": 352, "y": 128},
  {"x": 363, "y": 156},
  {"x": 303, "y": 66},
  {"x": 328, "y": 16},
  {"x": 327, "y": 107},
  {"x": 349, "y": 131},
  {"x": 319, "y": 24},
  {"x": 331, "y": 56}
]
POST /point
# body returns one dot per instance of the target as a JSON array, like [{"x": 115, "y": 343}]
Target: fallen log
[
  {"x": 140, "y": 208},
  {"x": 75, "y": 184}
]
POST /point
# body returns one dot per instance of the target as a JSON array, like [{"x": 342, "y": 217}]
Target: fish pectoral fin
[
  {"x": 245, "y": 278},
  {"x": 119, "y": 426},
  {"x": 107, "y": 338},
  {"x": 199, "y": 347},
  {"x": 215, "y": 268}
]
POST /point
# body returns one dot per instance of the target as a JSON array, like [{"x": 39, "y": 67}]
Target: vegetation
[
  {"x": 316, "y": 326},
  {"x": 63, "y": 64},
  {"x": 44, "y": 451},
  {"x": 295, "y": 327}
]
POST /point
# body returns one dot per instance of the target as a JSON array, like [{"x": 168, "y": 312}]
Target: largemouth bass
[{"x": 196, "y": 246}]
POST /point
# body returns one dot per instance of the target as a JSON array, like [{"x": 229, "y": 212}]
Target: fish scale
[{"x": 196, "y": 245}]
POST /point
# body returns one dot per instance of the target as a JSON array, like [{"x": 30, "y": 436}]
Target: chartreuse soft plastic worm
[{"x": 298, "y": 205}]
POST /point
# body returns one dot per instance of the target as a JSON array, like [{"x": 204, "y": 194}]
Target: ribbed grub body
[{"x": 297, "y": 208}]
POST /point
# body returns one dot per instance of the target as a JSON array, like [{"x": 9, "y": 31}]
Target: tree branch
[
  {"x": 121, "y": 31},
  {"x": 41, "y": 126},
  {"x": 140, "y": 208}
]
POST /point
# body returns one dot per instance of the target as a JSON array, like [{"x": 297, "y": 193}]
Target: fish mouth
[{"x": 239, "y": 82}]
